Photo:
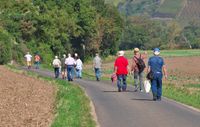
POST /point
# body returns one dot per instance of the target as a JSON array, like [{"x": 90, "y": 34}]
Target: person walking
[
  {"x": 63, "y": 67},
  {"x": 121, "y": 70},
  {"x": 56, "y": 65},
  {"x": 70, "y": 63},
  {"x": 157, "y": 66},
  {"x": 37, "y": 61},
  {"x": 28, "y": 57},
  {"x": 79, "y": 67},
  {"x": 97, "y": 66},
  {"x": 137, "y": 68}
]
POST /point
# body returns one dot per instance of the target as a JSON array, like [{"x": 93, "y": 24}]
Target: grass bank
[
  {"x": 182, "y": 95},
  {"x": 72, "y": 107}
]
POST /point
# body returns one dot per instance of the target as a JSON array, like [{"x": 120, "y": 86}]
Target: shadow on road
[
  {"x": 107, "y": 91},
  {"x": 137, "y": 99}
]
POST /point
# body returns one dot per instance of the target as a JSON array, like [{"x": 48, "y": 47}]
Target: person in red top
[
  {"x": 121, "y": 70},
  {"x": 37, "y": 61}
]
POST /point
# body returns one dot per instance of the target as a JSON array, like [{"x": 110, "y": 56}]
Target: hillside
[
  {"x": 183, "y": 10},
  {"x": 190, "y": 12}
]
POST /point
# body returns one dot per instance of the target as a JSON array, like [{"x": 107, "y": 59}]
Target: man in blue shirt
[{"x": 157, "y": 66}]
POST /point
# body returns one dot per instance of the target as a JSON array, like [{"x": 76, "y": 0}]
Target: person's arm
[{"x": 165, "y": 71}]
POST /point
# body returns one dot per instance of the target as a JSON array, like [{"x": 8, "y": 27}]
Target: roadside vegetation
[{"x": 72, "y": 107}]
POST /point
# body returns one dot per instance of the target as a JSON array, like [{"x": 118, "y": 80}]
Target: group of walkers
[
  {"x": 68, "y": 67},
  {"x": 156, "y": 68},
  {"x": 37, "y": 60},
  {"x": 71, "y": 67}
]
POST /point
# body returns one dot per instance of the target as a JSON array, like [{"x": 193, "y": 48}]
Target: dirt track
[{"x": 25, "y": 101}]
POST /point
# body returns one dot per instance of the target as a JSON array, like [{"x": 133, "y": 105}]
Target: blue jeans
[
  {"x": 70, "y": 69},
  {"x": 78, "y": 73},
  {"x": 121, "y": 82},
  {"x": 156, "y": 85},
  {"x": 56, "y": 71},
  {"x": 97, "y": 73}
]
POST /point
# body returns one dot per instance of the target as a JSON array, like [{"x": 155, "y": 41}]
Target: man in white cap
[
  {"x": 137, "y": 68},
  {"x": 56, "y": 65},
  {"x": 121, "y": 70},
  {"x": 157, "y": 66}
]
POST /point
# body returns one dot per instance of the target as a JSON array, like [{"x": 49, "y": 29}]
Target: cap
[
  {"x": 156, "y": 51},
  {"x": 121, "y": 53}
]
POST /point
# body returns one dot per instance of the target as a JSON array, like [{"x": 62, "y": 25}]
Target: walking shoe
[
  {"x": 119, "y": 90},
  {"x": 141, "y": 90}
]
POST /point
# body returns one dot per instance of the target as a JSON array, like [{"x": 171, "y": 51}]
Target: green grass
[
  {"x": 169, "y": 53},
  {"x": 182, "y": 95},
  {"x": 73, "y": 108},
  {"x": 171, "y": 6}
]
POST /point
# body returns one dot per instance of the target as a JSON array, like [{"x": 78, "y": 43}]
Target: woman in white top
[{"x": 79, "y": 67}]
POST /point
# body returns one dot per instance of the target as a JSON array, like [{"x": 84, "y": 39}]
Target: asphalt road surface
[{"x": 134, "y": 109}]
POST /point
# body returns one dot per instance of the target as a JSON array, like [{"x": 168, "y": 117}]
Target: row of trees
[
  {"x": 54, "y": 27},
  {"x": 146, "y": 33}
]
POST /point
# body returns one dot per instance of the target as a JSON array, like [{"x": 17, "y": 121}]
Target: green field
[{"x": 171, "y": 6}]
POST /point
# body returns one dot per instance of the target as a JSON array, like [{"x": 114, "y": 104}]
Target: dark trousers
[
  {"x": 56, "y": 71},
  {"x": 156, "y": 86},
  {"x": 121, "y": 82}
]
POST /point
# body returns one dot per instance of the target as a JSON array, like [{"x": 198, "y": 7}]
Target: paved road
[{"x": 135, "y": 109}]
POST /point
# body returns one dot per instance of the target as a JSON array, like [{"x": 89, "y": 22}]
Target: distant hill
[{"x": 182, "y": 10}]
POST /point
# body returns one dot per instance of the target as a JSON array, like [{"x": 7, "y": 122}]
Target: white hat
[
  {"x": 120, "y": 53},
  {"x": 56, "y": 57},
  {"x": 64, "y": 55}
]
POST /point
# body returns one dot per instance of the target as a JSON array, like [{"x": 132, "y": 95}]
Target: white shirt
[
  {"x": 28, "y": 57},
  {"x": 70, "y": 61},
  {"x": 79, "y": 64}
]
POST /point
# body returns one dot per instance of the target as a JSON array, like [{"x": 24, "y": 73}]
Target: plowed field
[{"x": 25, "y": 101}]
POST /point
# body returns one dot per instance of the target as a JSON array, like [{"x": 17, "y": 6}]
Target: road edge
[{"x": 92, "y": 107}]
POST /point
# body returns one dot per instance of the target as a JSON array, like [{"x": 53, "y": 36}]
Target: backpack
[{"x": 140, "y": 63}]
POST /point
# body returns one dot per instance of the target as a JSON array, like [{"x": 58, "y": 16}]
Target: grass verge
[
  {"x": 72, "y": 106},
  {"x": 182, "y": 95}
]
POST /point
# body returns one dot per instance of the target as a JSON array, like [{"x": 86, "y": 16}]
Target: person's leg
[
  {"x": 136, "y": 80},
  {"x": 159, "y": 87},
  {"x": 55, "y": 72},
  {"x": 141, "y": 80},
  {"x": 68, "y": 73},
  {"x": 124, "y": 83},
  {"x": 97, "y": 71},
  {"x": 119, "y": 81},
  {"x": 80, "y": 73},
  {"x": 154, "y": 88}
]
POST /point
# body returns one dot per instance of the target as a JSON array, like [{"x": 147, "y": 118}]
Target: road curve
[{"x": 134, "y": 109}]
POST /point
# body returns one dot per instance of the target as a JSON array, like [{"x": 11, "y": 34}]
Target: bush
[{"x": 5, "y": 47}]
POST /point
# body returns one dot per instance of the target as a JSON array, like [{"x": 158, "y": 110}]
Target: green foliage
[
  {"x": 5, "y": 47},
  {"x": 143, "y": 33},
  {"x": 73, "y": 109},
  {"x": 62, "y": 26}
]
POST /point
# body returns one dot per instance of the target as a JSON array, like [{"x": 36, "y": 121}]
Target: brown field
[
  {"x": 181, "y": 70},
  {"x": 25, "y": 101}
]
